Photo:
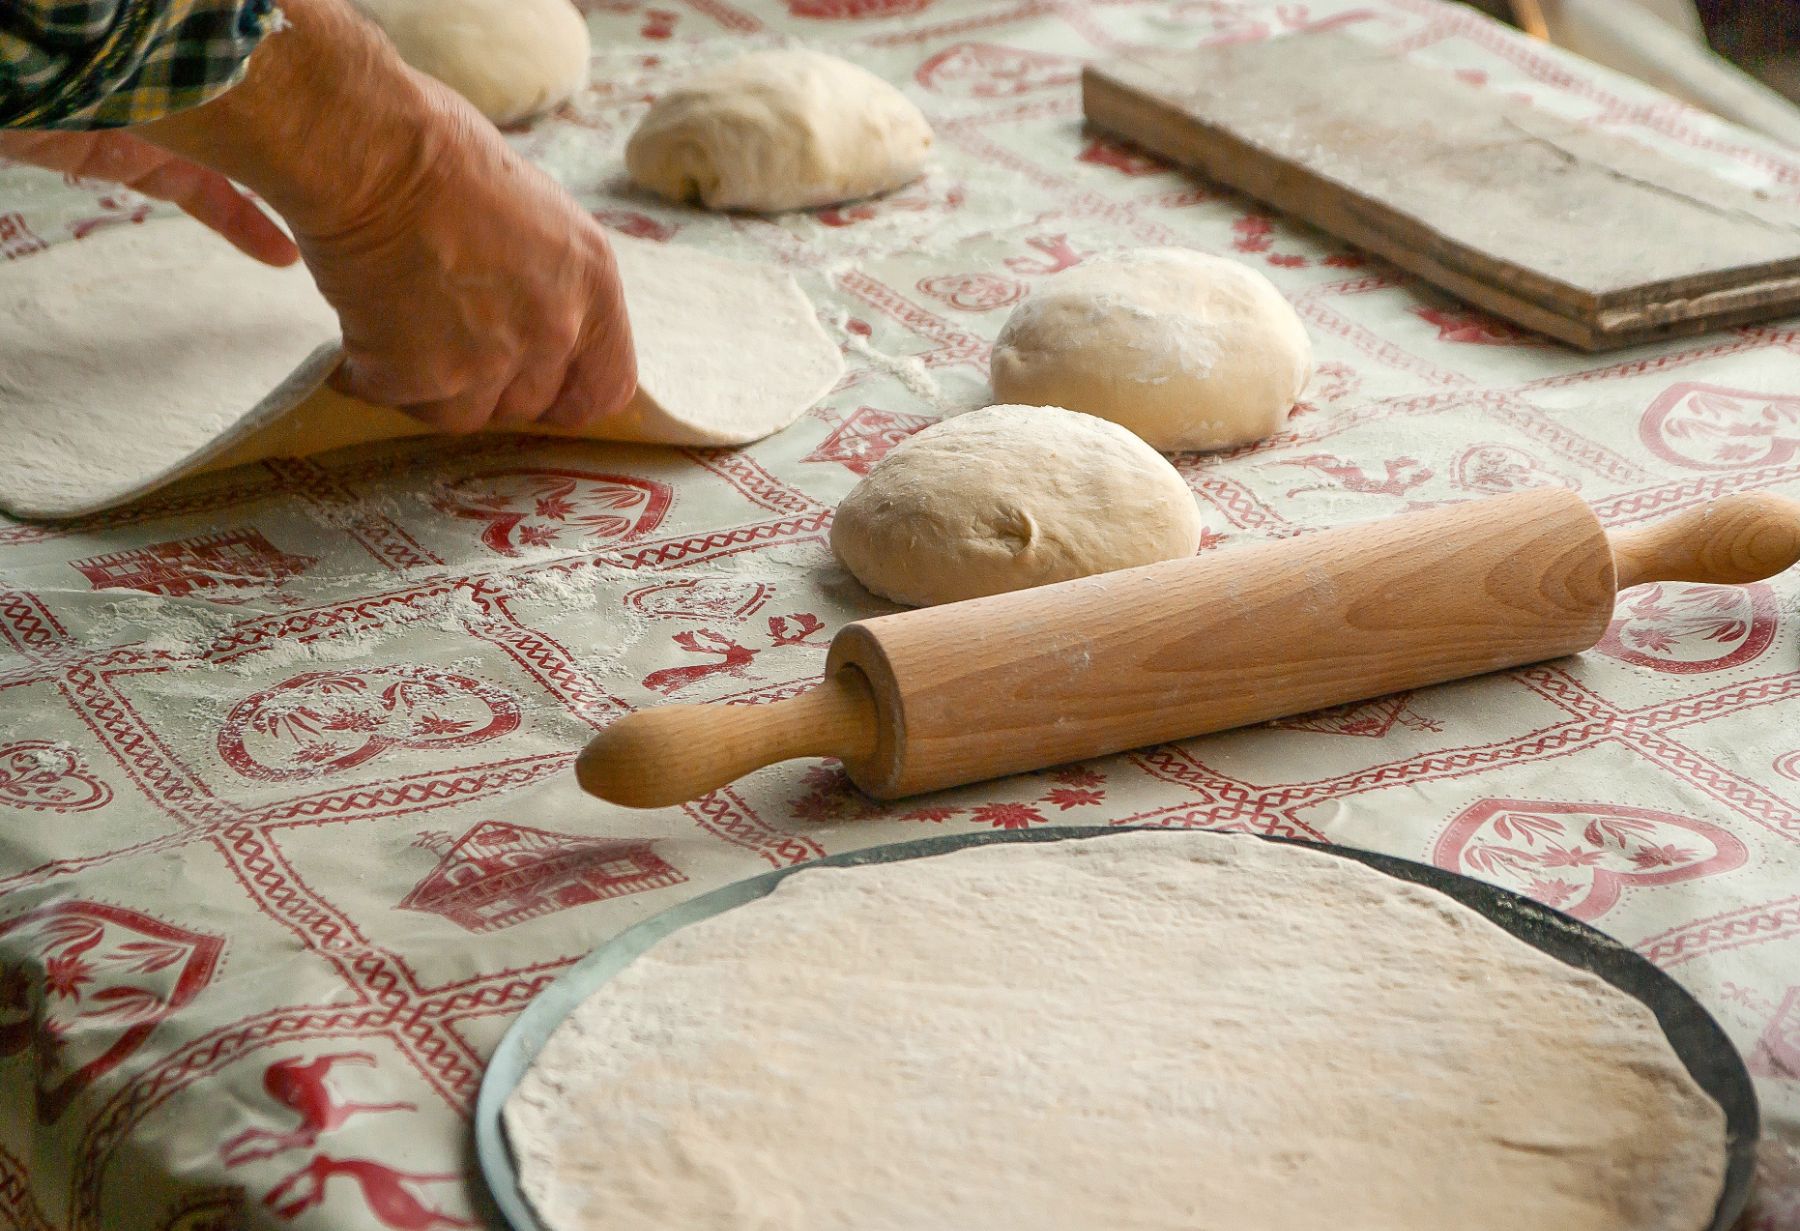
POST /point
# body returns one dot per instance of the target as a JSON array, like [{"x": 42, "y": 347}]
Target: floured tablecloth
[{"x": 287, "y": 824}]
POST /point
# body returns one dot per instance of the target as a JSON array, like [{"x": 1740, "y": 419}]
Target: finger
[
  {"x": 243, "y": 222},
  {"x": 213, "y": 201},
  {"x": 601, "y": 380},
  {"x": 531, "y": 393},
  {"x": 457, "y": 416},
  {"x": 447, "y": 401},
  {"x": 53, "y": 151},
  {"x": 207, "y": 196},
  {"x": 356, "y": 378},
  {"x": 368, "y": 380}
]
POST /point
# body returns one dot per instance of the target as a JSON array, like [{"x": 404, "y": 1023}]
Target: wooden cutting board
[{"x": 1573, "y": 231}]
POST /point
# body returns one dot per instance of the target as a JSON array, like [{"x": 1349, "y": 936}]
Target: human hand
[
  {"x": 470, "y": 287},
  {"x": 121, "y": 158}
]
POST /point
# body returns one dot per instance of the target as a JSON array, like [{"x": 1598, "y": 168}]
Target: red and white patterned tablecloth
[{"x": 287, "y": 828}]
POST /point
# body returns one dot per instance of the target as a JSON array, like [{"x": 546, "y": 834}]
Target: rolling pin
[{"x": 943, "y": 696}]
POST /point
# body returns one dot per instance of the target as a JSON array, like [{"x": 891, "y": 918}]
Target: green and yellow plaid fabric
[{"x": 110, "y": 63}]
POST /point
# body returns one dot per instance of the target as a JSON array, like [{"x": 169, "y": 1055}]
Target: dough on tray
[
  {"x": 1011, "y": 497},
  {"x": 1155, "y": 1031},
  {"x": 1189, "y": 351},
  {"x": 143, "y": 354},
  {"x": 778, "y": 130},
  {"x": 512, "y": 59}
]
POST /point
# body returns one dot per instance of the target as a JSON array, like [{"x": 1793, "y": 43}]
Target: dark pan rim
[{"x": 1696, "y": 1038}]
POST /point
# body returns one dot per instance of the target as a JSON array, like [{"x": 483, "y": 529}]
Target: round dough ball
[
  {"x": 779, "y": 130},
  {"x": 1189, "y": 351},
  {"x": 1008, "y": 498},
  {"x": 512, "y": 59}
]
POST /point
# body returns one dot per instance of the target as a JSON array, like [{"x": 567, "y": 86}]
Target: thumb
[{"x": 349, "y": 378}]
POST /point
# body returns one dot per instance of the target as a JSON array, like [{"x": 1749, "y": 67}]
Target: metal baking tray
[{"x": 1696, "y": 1038}]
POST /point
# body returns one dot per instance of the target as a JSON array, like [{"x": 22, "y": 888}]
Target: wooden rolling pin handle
[
  {"x": 1735, "y": 539},
  {"x": 660, "y": 757}
]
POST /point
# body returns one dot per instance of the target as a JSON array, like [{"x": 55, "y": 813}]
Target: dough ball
[
  {"x": 1189, "y": 351},
  {"x": 779, "y": 130},
  {"x": 511, "y": 59},
  {"x": 1008, "y": 498}
]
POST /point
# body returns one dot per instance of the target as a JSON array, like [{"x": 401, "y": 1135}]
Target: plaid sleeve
[{"x": 109, "y": 63}]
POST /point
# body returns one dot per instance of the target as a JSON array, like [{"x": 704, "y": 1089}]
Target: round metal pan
[{"x": 1696, "y": 1038}]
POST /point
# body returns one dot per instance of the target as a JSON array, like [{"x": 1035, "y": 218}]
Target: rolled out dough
[
  {"x": 1162, "y": 1032},
  {"x": 143, "y": 354}
]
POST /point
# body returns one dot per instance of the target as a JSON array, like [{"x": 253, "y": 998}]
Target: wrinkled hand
[
  {"x": 472, "y": 287},
  {"x": 121, "y": 158}
]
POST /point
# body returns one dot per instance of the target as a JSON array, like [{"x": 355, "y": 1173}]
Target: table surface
[{"x": 287, "y": 830}]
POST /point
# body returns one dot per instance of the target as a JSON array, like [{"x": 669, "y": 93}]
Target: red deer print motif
[
  {"x": 1709, "y": 427},
  {"x": 1579, "y": 857},
  {"x": 1058, "y": 255},
  {"x": 733, "y": 659},
  {"x": 397, "y": 1199},
  {"x": 1403, "y": 475},
  {"x": 800, "y": 632},
  {"x": 301, "y": 1086}
]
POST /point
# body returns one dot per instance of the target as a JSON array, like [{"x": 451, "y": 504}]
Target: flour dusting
[{"x": 1146, "y": 1031}]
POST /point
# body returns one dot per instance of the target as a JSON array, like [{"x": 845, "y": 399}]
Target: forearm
[{"x": 326, "y": 124}]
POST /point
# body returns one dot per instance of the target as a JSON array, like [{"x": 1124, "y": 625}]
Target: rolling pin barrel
[
  {"x": 1187, "y": 647},
  {"x": 947, "y": 695}
]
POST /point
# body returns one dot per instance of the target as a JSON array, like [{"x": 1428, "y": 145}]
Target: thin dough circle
[
  {"x": 206, "y": 358},
  {"x": 1155, "y": 1031}
]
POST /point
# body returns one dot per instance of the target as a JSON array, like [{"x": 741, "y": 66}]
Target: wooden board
[{"x": 1575, "y": 232}]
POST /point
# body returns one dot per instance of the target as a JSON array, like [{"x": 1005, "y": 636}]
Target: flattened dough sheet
[{"x": 147, "y": 353}]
